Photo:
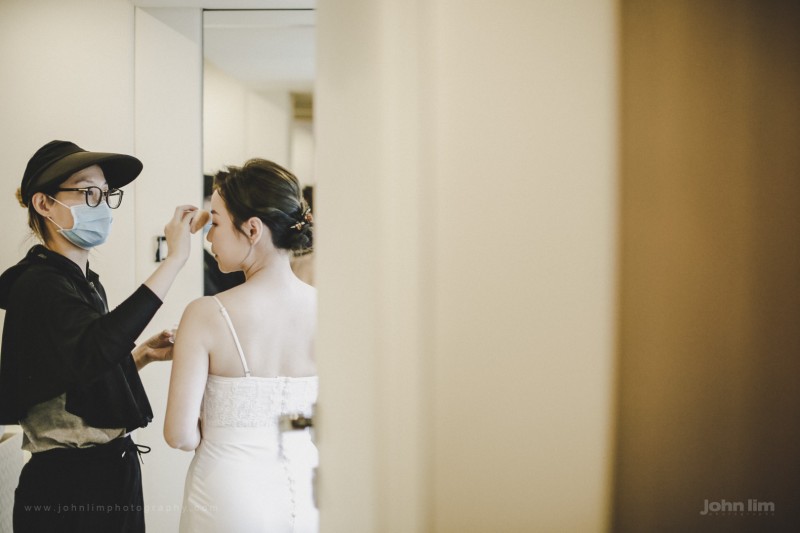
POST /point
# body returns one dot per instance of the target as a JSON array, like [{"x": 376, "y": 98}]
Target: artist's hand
[
  {"x": 177, "y": 233},
  {"x": 156, "y": 348}
]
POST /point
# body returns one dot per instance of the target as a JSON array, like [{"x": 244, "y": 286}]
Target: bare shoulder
[
  {"x": 306, "y": 290},
  {"x": 198, "y": 317},
  {"x": 305, "y": 299},
  {"x": 197, "y": 328},
  {"x": 201, "y": 306}
]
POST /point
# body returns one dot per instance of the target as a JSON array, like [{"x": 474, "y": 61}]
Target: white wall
[
  {"x": 168, "y": 136},
  {"x": 239, "y": 124},
  {"x": 268, "y": 123},
  {"x": 525, "y": 187},
  {"x": 301, "y": 151},
  {"x": 466, "y": 157},
  {"x": 57, "y": 86}
]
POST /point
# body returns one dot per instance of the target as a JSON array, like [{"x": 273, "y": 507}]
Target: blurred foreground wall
[{"x": 710, "y": 267}]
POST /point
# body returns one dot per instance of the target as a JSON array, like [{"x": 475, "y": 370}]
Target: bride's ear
[{"x": 255, "y": 229}]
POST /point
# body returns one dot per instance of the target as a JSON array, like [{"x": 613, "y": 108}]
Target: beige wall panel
[{"x": 710, "y": 300}]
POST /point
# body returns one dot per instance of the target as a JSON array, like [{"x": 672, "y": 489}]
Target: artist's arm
[
  {"x": 178, "y": 246},
  {"x": 189, "y": 375},
  {"x": 186, "y": 219}
]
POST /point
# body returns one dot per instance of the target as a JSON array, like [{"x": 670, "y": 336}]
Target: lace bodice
[{"x": 255, "y": 401}]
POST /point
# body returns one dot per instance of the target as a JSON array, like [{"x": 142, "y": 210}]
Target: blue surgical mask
[{"x": 91, "y": 225}]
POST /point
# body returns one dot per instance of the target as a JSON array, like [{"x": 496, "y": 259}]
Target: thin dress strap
[{"x": 225, "y": 315}]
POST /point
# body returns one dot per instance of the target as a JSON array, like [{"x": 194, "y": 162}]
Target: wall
[
  {"x": 710, "y": 300},
  {"x": 55, "y": 86},
  {"x": 239, "y": 123},
  {"x": 466, "y": 264},
  {"x": 169, "y": 73},
  {"x": 301, "y": 150}
]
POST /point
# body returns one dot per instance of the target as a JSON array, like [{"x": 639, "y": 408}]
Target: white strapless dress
[{"x": 246, "y": 475}]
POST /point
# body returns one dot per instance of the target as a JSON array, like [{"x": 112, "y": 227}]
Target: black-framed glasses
[{"x": 95, "y": 195}]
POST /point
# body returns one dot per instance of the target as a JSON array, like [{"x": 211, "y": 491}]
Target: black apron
[{"x": 70, "y": 490}]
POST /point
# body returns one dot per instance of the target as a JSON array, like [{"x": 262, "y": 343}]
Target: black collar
[{"x": 42, "y": 254}]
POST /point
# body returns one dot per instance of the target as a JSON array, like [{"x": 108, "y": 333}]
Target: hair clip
[{"x": 307, "y": 218}]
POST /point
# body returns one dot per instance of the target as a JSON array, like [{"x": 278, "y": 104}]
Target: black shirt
[{"x": 59, "y": 337}]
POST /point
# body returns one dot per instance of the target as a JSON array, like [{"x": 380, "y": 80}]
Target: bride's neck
[{"x": 272, "y": 267}]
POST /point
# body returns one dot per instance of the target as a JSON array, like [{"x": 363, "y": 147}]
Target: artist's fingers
[{"x": 182, "y": 211}]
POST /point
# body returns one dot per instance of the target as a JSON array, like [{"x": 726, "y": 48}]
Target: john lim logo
[{"x": 750, "y": 507}]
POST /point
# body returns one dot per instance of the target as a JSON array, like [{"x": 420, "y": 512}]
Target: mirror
[{"x": 258, "y": 82}]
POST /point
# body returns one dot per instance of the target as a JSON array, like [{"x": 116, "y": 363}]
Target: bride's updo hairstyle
[{"x": 268, "y": 191}]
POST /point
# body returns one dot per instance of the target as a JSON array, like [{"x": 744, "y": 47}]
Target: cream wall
[
  {"x": 268, "y": 122},
  {"x": 709, "y": 291},
  {"x": 56, "y": 86},
  {"x": 168, "y": 136},
  {"x": 466, "y": 264},
  {"x": 525, "y": 186},
  {"x": 301, "y": 151},
  {"x": 239, "y": 123}
]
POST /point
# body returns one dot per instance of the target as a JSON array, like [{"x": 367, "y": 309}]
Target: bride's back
[{"x": 275, "y": 325}]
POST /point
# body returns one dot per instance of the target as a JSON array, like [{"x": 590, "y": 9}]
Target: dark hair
[
  {"x": 308, "y": 196},
  {"x": 268, "y": 191},
  {"x": 36, "y": 221}
]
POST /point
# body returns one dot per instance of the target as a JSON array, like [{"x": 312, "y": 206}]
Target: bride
[{"x": 243, "y": 358}]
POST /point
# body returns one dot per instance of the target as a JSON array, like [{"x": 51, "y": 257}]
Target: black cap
[{"x": 56, "y": 161}]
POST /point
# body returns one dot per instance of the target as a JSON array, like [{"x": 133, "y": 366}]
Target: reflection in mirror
[
  {"x": 254, "y": 457},
  {"x": 258, "y": 79}
]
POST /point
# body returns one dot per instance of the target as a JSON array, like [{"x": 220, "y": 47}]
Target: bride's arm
[{"x": 188, "y": 379}]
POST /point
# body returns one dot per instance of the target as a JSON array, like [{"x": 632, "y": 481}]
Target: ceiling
[
  {"x": 229, "y": 4},
  {"x": 267, "y": 45},
  {"x": 267, "y": 50}
]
